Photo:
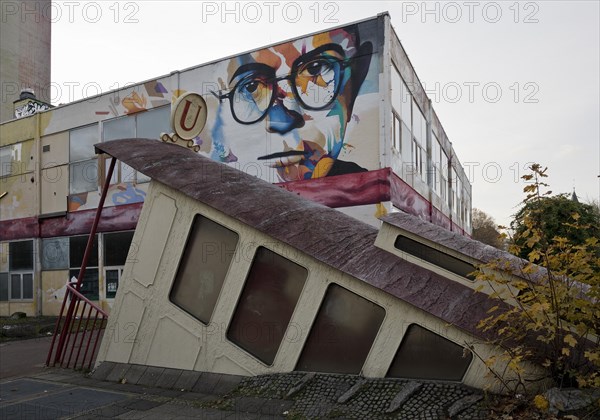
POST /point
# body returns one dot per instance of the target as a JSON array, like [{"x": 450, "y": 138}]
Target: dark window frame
[
  {"x": 20, "y": 271},
  {"x": 90, "y": 269},
  {"x": 435, "y": 257},
  {"x": 316, "y": 320},
  {"x": 241, "y": 295},
  {"x": 453, "y": 347},
  {"x": 180, "y": 263},
  {"x": 116, "y": 266}
]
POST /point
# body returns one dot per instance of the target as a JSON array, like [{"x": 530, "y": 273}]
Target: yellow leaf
[
  {"x": 570, "y": 340},
  {"x": 566, "y": 351},
  {"x": 541, "y": 403},
  {"x": 592, "y": 356}
]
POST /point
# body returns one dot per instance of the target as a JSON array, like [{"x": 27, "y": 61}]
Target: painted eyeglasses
[{"x": 315, "y": 81}]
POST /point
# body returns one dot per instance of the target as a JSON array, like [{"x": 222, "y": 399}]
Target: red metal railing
[
  {"x": 65, "y": 328},
  {"x": 75, "y": 334}
]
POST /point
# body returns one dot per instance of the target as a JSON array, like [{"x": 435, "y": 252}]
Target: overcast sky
[{"x": 512, "y": 82}]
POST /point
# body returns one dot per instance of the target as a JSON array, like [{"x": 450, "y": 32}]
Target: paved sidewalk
[
  {"x": 23, "y": 357},
  {"x": 28, "y": 390},
  {"x": 61, "y": 394},
  {"x": 133, "y": 392}
]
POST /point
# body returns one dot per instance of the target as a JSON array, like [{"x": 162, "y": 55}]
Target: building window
[
  {"x": 418, "y": 158},
  {"x": 457, "y": 195},
  {"x": 419, "y": 130},
  {"x": 444, "y": 177},
  {"x": 119, "y": 128},
  {"x": 401, "y": 97},
  {"x": 116, "y": 248},
  {"x": 55, "y": 254},
  {"x": 342, "y": 334},
  {"x": 21, "y": 286},
  {"x": 152, "y": 123},
  {"x": 83, "y": 164},
  {"x": 265, "y": 307},
  {"x": 436, "y": 163},
  {"x": 17, "y": 283},
  {"x": 113, "y": 278},
  {"x": 397, "y": 132},
  {"x": 8, "y": 167},
  {"x": 77, "y": 245},
  {"x": 406, "y": 140},
  {"x": 401, "y": 113},
  {"x": 3, "y": 287},
  {"x": 426, "y": 355},
  {"x": 203, "y": 267},
  {"x": 66, "y": 253},
  {"x": 149, "y": 124},
  {"x": 435, "y": 257}
]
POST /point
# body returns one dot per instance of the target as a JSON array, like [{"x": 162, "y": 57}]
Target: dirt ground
[{"x": 26, "y": 328}]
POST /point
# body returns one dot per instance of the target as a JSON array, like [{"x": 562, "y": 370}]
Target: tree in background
[
  {"x": 485, "y": 229},
  {"x": 552, "y": 214}
]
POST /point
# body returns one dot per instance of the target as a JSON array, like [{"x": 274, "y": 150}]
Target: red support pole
[
  {"x": 88, "y": 248},
  {"x": 64, "y": 330},
  {"x": 56, "y": 327}
]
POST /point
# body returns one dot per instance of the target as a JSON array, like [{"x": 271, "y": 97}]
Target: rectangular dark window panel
[
  {"x": 203, "y": 268},
  {"x": 20, "y": 255},
  {"x": 112, "y": 283},
  {"x": 426, "y": 355},
  {"x": 3, "y": 287},
  {"x": 433, "y": 256},
  {"x": 265, "y": 308},
  {"x": 116, "y": 247},
  {"x": 77, "y": 246},
  {"x": 342, "y": 334},
  {"x": 89, "y": 287},
  {"x": 15, "y": 286},
  {"x": 27, "y": 283}
]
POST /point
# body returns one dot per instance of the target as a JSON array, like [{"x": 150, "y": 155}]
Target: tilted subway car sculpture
[{"x": 228, "y": 273}]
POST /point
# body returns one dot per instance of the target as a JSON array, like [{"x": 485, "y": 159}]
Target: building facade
[{"x": 339, "y": 117}]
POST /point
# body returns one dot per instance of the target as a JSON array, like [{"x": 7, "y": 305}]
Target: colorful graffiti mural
[
  {"x": 117, "y": 195},
  {"x": 292, "y": 111}
]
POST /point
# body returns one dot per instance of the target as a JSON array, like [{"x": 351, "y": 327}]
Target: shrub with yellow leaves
[{"x": 550, "y": 312}]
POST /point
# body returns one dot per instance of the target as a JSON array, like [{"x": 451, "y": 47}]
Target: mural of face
[{"x": 303, "y": 92}]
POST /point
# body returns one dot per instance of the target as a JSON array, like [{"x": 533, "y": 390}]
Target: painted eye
[
  {"x": 251, "y": 86},
  {"x": 315, "y": 68}
]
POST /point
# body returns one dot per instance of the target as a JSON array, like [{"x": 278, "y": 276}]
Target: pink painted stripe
[{"x": 123, "y": 217}]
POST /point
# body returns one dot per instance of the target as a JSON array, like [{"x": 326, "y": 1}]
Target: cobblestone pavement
[{"x": 132, "y": 391}]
